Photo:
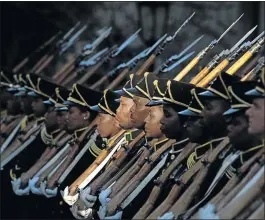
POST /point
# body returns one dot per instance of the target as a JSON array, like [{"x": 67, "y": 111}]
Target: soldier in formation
[{"x": 151, "y": 148}]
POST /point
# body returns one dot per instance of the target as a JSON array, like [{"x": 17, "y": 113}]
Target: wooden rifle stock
[
  {"x": 97, "y": 184},
  {"x": 146, "y": 65},
  {"x": 45, "y": 64},
  {"x": 241, "y": 201},
  {"x": 235, "y": 179},
  {"x": 235, "y": 191},
  {"x": 237, "y": 65},
  {"x": 200, "y": 76},
  {"x": 258, "y": 213},
  {"x": 20, "y": 65},
  {"x": 15, "y": 145},
  {"x": 114, "y": 84},
  {"x": 70, "y": 79},
  {"x": 66, "y": 73},
  {"x": 156, "y": 191},
  {"x": 115, "y": 166},
  {"x": 89, "y": 73},
  {"x": 213, "y": 74},
  {"x": 187, "y": 69},
  {"x": 58, "y": 74},
  {"x": 39, "y": 63},
  {"x": 74, "y": 186},
  {"x": 250, "y": 209},
  {"x": 135, "y": 181},
  {"x": 49, "y": 152}
]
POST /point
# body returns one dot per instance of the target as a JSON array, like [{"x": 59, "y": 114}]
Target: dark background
[{"x": 25, "y": 25}]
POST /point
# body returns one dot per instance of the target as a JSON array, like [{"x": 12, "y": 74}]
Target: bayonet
[
  {"x": 175, "y": 57},
  {"x": 215, "y": 42},
  {"x": 95, "y": 43},
  {"x": 72, "y": 39},
  {"x": 257, "y": 38},
  {"x": 156, "y": 44},
  {"x": 125, "y": 44},
  {"x": 94, "y": 59},
  {"x": 130, "y": 62},
  {"x": 60, "y": 42},
  {"x": 177, "y": 63}
]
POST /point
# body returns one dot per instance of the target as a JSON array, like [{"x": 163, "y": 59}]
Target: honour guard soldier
[
  {"x": 83, "y": 148},
  {"x": 127, "y": 151}
]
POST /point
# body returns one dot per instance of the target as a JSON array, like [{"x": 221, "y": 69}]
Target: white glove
[
  {"x": 83, "y": 214},
  {"x": 70, "y": 200},
  {"x": 88, "y": 199},
  {"x": 166, "y": 216},
  {"x": 48, "y": 192},
  {"x": 102, "y": 212},
  {"x": 103, "y": 196},
  {"x": 208, "y": 212},
  {"x": 116, "y": 216},
  {"x": 16, "y": 184},
  {"x": 32, "y": 186}
]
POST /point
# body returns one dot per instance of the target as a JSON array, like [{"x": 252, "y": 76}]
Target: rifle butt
[
  {"x": 118, "y": 79},
  {"x": 167, "y": 203},
  {"x": 146, "y": 65}
]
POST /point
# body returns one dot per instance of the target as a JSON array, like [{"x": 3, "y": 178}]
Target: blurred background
[{"x": 26, "y": 25}]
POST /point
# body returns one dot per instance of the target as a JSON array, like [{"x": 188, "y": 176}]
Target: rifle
[
  {"x": 87, "y": 52},
  {"x": 159, "y": 50},
  {"x": 201, "y": 169},
  {"x": 125, "y": 191},
  {"x": 25, "y": 61},
  {"x": 119, "y": 159},
  {"x": 160, "y": 182},
  {"x": 215, "y": 61},
  {"x": 254, "y": 72},
  {"x": 258, "y": 213},
  {"x": 60, "y": 49},
  {"x": 115, "y": 53},
  {"x": 201, "y": 54},
  {"x": 231, "y": 57},
  {"x": 57, "y": 44},
  {"x": 76, "y": 185},
  {"x": 250, "y": 191}
]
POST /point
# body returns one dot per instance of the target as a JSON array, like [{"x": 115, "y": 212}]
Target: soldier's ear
[{"x": 86, "y": 115}]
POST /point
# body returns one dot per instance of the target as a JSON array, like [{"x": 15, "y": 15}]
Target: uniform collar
[
  {"x": 131, "y": 134},
  {"x": 79, "y": 132},
  {"x": 202, "y": 149},
  {"x": 159, "y": 144},
  {"x": 245, "y": 155},
  {"x": 40, "y": 120},
  {"x": 178, "y": 146}
]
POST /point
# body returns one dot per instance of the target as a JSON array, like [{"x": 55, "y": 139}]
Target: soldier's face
[
  {"x": 51, "y": 119},
  {"x": 4, "y": 97},
  {"x": 26, "y": 104},
  {"x": 13, "y": 106},
  {"x": 238, "y": 129},
  {"x": 152, "y": 122},
  {"x": 195, "y": 130},
  {"x": 213, "y": 119},
  {"x": 139, "y": 112},
  {"x": 256, "y": 117},
  {"x": 76, "y": 119},
  {"x": 123, "y": 113},
  {"x": 61, "y": 120},
  {"x": 38, "y": 107},
  {"x": 170, "y": 124},
  {"x": 107, "y": 126}
]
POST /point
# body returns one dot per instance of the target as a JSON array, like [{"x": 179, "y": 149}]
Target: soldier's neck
[{"x": 247, "y": 144}]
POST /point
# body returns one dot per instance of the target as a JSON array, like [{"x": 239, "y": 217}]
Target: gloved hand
[
  {"x": 117, "y": 216},
  {"x": 88, "y": 199},
  {"x": 83, "y": 214},
  {"x": 32, "y": 186},
  {"x": 166, "y": 216},
  {"x": 208, "y": 212},
  {"x": 48, "y": 192},
  {"x": 16, "y": 184},
  {"x": 70, "y": 200},
  {"x": 103, "y": 196},
  {"x": 102, "y": 212}
]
